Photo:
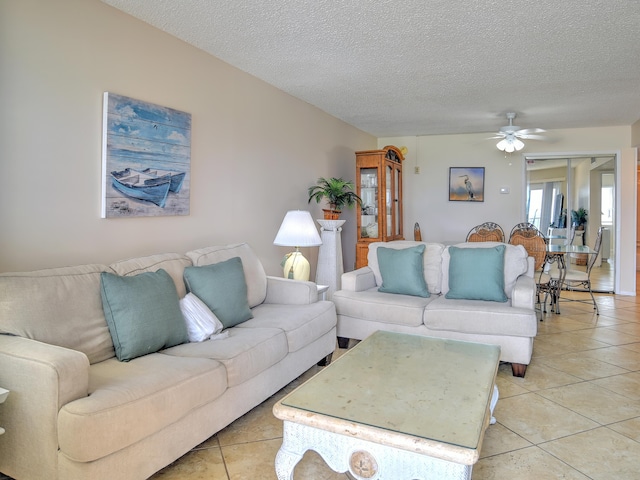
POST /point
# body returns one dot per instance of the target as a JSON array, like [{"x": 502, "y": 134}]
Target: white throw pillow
[{"x": 201, "y": 321}]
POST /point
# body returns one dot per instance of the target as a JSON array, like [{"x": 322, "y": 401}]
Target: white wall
[
  {"x": 255, "y": 149},
  {"x": 426, "y": 194}
]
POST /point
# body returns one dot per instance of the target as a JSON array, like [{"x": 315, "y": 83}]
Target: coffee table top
[{"x": 393, "y": 384}]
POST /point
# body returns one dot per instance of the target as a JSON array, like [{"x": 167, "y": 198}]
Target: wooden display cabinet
[{"x": 379, "y": 185}]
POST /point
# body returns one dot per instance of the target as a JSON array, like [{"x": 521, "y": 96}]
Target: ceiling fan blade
[
  {"x": 497, "y": 136},
  {"x": 532, "y": 137},
  {"x": 528, "y": 131}
]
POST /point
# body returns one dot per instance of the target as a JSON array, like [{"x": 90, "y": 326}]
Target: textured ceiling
[{"x": 418, "y": 67}]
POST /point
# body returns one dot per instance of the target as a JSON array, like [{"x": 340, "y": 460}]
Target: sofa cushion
[
  {"x": 477, "y": 273},
  {"x": 515, "y": 263},
  {"x": 143, "y": 313},
  {"x": 58, "y": 306},
  {"x": 381, "y": 307},
  {"x": 402, "y": 271},
  {"x": 173, "y": 263},
  {"x": 480, "y": 317},
  {"x": 254, "y": 273},
  {"x": 302, "y": 324},
  {"x": 131, "y": 401},
  {"x": 222, "y": 287},
  {"x": 245, "y": 353},
  {"x": 432, "y": 261},
  {"x": 200, "y": 320}
]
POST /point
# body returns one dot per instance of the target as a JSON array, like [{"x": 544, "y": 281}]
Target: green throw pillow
[
  {"x": 402, "y": 271},
  {"x": 477, "y": 273},
  {"x": 222, "y": 287},
  {"x": 143, "y": 313}
]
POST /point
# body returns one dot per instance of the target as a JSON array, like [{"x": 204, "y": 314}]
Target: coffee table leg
[
  {"x": 494, "y": 401},
  {"x": 286, "y": 460},
  {"x": 363, "y": 459}
]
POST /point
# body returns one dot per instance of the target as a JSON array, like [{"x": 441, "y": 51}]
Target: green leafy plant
[
  {"x": 337, "y": 192},
  {"x": 579, "y": 217}
]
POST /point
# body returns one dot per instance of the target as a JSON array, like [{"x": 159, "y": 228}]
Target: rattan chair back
[
  {"x": 532, "y": 240},
  {"x": 486, "y": 232}
]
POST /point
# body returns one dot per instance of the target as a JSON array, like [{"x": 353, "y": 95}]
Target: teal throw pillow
[
  {"x": 477, "y": 273},
  {"x": 142, "y": 312},
  {"x": 402, "y": 271},
  {"x": 222, "y": 287}
]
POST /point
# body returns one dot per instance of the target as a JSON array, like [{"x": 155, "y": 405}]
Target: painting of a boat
[
  {"x": 146, "y": 159},
  {"x": 142, "y": 186},
  {"x": 176, "y": 177}
]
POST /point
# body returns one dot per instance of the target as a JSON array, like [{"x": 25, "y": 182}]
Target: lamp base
[{"x": 296, "y": 266}]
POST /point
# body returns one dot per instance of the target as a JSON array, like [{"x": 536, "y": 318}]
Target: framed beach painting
[
  {"x": 466, "y": 184},
  {"x": 146, "y": 159}
]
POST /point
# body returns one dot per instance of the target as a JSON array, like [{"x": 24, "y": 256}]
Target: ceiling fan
[{"x": 511, "y": 135}]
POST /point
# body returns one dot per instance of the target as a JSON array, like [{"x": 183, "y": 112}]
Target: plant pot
[{"x": 331, "y": 214}]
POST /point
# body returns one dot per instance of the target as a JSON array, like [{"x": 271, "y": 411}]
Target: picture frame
[
  {"x": 146, "y": 159},
  {"x": 466, "y": 184}
]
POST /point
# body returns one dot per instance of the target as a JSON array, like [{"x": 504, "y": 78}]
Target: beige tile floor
[{"x": 576, "y": 414}]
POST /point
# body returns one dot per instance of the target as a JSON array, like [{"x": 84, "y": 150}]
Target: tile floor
[{"x": 576, "y": 414}]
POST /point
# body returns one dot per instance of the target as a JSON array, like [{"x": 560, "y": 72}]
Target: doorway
[{"x": 559, "y": 186}]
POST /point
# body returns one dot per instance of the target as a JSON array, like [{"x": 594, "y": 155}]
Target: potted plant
[
  {"x": 337, "y": 192},
  {"x": 579, "y": 218}
]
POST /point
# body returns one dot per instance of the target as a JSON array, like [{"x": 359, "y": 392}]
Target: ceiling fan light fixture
[
  {"x": 519, "y": 144},
  {"x": 510, "y": 144}
]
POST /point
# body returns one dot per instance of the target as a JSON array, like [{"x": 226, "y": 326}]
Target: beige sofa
[
  {"x": 76, "y": 412},
  {"x": 512, "y": 324}
]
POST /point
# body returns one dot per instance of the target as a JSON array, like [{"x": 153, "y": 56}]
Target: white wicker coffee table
[{"x": 394, "y": 407}]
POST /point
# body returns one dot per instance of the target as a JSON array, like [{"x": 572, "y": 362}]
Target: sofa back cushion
[
  {"x": 59, "y": 306},
  {"x": 254, "y": 273},
  {"x": 432, "y": 261},
  {"x": 172, "y": 263},
  {"x": 515, "y": 263}
]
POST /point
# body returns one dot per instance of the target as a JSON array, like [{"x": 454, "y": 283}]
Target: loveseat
[
  {"x": 487, "y": 297},
  {"x": 77, "y": 412}
]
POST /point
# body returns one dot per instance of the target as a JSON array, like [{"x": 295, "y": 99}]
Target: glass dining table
[{"x": 558, "y": 254}]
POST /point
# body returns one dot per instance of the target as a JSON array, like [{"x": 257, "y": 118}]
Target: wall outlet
[
  {"x": 504, "y": 190},
  {"x": 416, "y": 170}
]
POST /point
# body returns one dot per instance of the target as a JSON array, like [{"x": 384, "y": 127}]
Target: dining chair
[
  {"x": 486, "y": 232},
  {"x": 535, "y": 243},
  {"x": 577, "y": 280}
]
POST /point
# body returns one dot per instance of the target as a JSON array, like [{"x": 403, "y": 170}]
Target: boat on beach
[
  {"x": 176, "y": 177},
  {"x": 142, "y": 186}
]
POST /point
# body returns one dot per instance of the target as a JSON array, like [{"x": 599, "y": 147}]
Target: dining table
[{"x": 558, "y": 254}]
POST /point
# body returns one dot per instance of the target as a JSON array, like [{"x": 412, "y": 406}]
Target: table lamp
[{"x": 297, "y": 230}]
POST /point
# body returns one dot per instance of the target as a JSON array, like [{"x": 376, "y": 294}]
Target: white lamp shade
[{"x": 298, "y": 230}]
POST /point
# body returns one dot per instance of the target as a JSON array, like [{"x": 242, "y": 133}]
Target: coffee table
[{"x": 395, "y": 406}]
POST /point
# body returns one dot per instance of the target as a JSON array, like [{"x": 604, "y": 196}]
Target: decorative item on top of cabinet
[{"x": 379, "y": 185}]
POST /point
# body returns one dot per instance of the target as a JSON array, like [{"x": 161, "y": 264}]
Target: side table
[{"x": 322, "y": 291}]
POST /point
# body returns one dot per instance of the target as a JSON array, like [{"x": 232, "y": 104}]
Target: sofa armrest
[
  {"x": 359, "y": 280},
  {"x": 524, "y": 292},
  {"x": 285, "y": 291},
  {"x": 42, "y": 378}
]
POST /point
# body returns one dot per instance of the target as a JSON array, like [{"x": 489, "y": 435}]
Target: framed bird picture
[{"x": 466, "y": 184}]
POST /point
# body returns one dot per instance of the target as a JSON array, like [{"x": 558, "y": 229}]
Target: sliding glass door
[{"x": 556, "y": 187}]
